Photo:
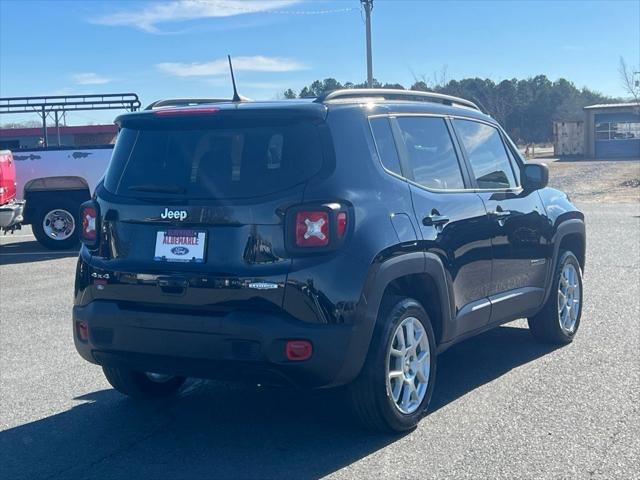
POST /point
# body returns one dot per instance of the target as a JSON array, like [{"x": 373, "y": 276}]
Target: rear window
[
  {"x": 386, "y": 145},
  {"x": 234, "y": 162}
]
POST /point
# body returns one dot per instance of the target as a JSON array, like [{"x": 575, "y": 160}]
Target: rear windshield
[{"x": 226, "y": 162}]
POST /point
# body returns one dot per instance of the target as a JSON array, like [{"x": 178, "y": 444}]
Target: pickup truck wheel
[
  {"x": 142, "y": 384},
  {"x": 55, "y": 224},
  {"x": 559, "y": 319},
  {"x": 393, "y": 390}
]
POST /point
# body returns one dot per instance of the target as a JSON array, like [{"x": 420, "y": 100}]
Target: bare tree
[
  {"x": 440, "y": 78},
  {"x": 630, "y": 80},
  {"x": 439, "y": 81},
  {"x": 25, "y": 124}
]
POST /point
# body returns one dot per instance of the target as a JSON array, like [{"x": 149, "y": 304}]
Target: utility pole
[
  {"x": 45, "y": 137},
  {"x": 57, "y": 125},
  {"x": 368, "y": 6}
]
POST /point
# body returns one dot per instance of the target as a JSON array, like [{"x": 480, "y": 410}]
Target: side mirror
[{"x": 535, "y": 176}]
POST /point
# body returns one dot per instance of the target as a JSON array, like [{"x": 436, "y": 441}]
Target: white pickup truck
[{"x": 54, "y": 182}]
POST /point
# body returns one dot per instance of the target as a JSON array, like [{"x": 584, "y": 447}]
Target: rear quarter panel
[{"x": 335, "y": 280}]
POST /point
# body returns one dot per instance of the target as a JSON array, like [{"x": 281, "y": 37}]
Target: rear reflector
[
  {"x": 298, "y": 350},
  {"x": 186, "y": 111},
  {"x": 83, "y": 331},
  {"x": 312, "y": 229}
]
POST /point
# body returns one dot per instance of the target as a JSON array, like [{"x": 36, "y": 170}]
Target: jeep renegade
[{"x": 345, "y": 240}]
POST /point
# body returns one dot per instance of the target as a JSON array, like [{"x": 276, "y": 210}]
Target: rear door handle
[
  {"x": 500, "y": 213},
  {"x": 434, "y": 219}
]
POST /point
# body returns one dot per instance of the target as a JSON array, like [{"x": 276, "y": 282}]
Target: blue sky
[{"x": 165, "y": 49}]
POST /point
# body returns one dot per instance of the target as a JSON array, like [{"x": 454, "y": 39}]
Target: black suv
[{"x": 341, "y": 241}]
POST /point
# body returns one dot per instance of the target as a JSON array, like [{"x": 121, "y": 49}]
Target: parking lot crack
[
  {"x": 621, "y": 424},
  {"x": 137, "y": 441}
]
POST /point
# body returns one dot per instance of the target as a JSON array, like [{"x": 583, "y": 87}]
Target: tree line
[{"x": 526, "y": 108}]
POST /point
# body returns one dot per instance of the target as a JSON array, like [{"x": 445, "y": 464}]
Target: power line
[{"x": 293, "y": 12}]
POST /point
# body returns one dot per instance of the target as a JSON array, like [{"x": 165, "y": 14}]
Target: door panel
[
  {"x": 520, "y": 252},
  {"x": 463, "y": 243},
  {"x": 453, "y": 222},
  {"x": 517, "y": 220},
  {"x": 521, "y": 301}
]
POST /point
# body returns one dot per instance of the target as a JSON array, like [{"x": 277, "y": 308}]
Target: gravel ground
[
  {"x": 504, "y": 406},
  {"x": 597, "y": 181}
]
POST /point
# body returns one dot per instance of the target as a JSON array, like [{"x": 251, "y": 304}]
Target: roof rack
[
  {"x": 184, "y": 102},
  {"x": 65, "y": 103},
  {"x": 59, "y": 105},
  {"x": 395, "y": 94}
]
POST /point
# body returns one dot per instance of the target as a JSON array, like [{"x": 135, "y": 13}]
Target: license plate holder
[{"x": 180, "y": 245}]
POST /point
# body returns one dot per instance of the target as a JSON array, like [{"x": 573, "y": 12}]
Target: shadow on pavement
[
  {"x": 482, "y": 359},
  {"x": 31, "y": 251},
  {"x": 219, "y": 430}
]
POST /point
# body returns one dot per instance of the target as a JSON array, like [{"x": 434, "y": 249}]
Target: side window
[
  {"x": 386, "y": 145},
  {"x": 487, "y": 154},
  {"x": 514, "y": 164},
  {"x": 431, "y": 153}
]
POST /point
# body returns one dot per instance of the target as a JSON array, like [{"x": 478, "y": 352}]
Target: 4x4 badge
[{"x": 174, "y": 214}]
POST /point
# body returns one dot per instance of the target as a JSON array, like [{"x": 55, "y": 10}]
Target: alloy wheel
[
  {"x": 408, "y": 365},
  {"x": 568, "y": 298}
]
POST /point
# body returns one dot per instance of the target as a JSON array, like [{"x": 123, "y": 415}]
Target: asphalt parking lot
[{"x": 504, "y": 406}]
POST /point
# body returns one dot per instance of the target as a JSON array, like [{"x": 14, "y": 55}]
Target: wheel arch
[
  {"x": 575, "y": 242},
  {"x": 55, "y": 183},
  {"x": 418, "y": 275},
  {"x": 41, "y": 190},
  {"x": 412, "y": 274},
  {"x": 569, "y": 235}
]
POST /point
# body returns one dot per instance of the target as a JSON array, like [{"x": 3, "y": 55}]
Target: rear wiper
[{"x": 158, "y": 188}]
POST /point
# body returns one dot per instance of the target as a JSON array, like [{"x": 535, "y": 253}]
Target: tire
[
  {"x": 371, "y": 395},
  {"x": 140, "y": 385},
  {"x": 548, "y": 326},
  {"x": 57, "y": 207}
]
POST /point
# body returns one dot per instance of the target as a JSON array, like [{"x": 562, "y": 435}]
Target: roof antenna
[{"x": 236, "y": 97}]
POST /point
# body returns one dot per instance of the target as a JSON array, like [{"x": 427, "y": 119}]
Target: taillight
[
  {"x": 312, "y": 229},
  {"x": 341, "y": 227},
  {"x": 90, "y": 223},
  {"x": 317, "y": 228}
]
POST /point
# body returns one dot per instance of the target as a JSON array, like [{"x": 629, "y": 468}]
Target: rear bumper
[
  {"x": 11, "y": 214},
  {"x": 236, "y": 345}
]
